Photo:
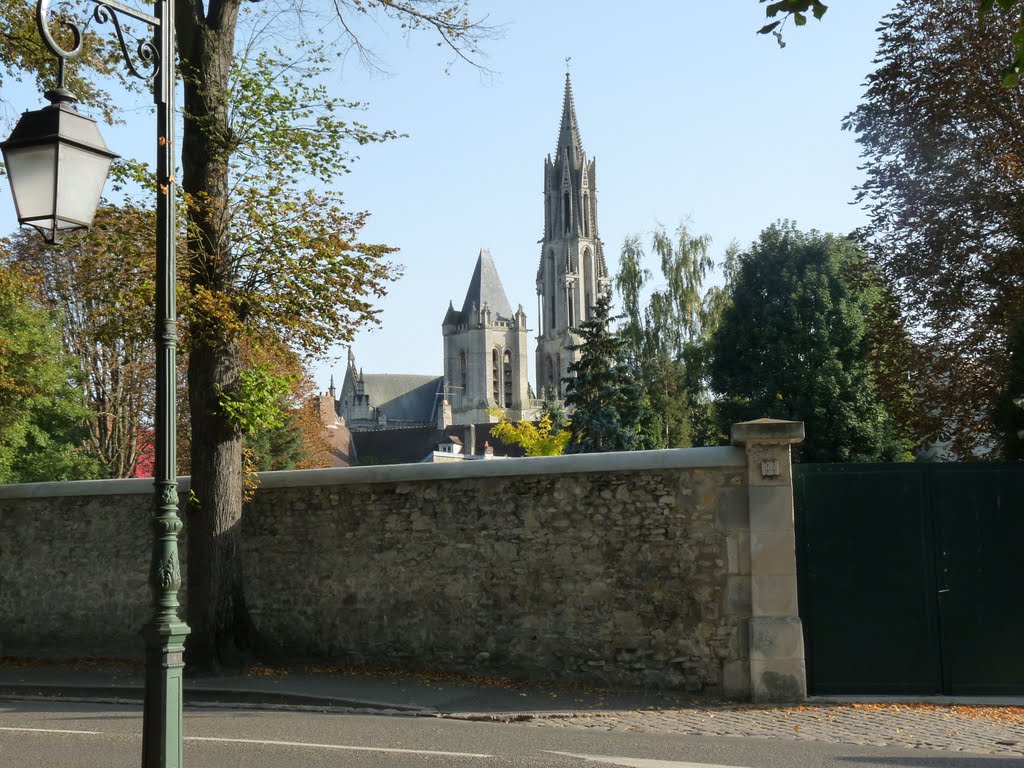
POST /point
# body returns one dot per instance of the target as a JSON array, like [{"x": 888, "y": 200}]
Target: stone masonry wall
[{"x": 619, "y": 568}]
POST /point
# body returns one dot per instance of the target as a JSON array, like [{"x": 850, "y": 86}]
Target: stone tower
[
  {"x": 485, "y": 351},
  {"x": 572, "y": 271}
]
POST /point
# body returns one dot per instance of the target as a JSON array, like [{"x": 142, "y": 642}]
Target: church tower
[
  {"x": 572, "y": 271},
  {"x": 485, "y": 351}
]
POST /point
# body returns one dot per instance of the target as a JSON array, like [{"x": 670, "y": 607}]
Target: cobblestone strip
[{"x": 938, "y": 728}]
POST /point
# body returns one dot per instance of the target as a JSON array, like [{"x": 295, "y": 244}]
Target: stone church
[{"x": 485, "y": 341}]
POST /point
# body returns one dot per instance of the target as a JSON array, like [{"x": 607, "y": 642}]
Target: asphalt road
[{"x": 71, "y": 735}]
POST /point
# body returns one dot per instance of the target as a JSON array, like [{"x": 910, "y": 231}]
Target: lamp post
[{"x": 55, "y": 160}]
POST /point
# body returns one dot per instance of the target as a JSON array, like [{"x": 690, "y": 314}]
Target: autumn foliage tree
[
  {"x": 270, "y": 255},
  {"x": 778, "y": 12},
  {"x": 548, "y": 437},
  {"x": 99, "y": 285},
  {"x": 942, "y": 142}
]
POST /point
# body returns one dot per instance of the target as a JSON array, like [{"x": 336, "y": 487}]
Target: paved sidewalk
[
  {"x": 965, "y": 724},
  {"x": 984, "y": 730}
]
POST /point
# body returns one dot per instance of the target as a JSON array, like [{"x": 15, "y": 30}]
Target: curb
[{"x": 208, "y": 696}]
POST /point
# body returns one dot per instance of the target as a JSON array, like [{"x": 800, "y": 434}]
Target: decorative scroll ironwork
[{"x": 105, "y": 12}]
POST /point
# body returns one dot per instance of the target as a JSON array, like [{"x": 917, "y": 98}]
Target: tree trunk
[
  {"x": 221, "y": 638},
  {"x": 221, "y": 631}
]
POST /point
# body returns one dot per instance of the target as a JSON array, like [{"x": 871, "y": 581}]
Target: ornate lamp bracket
[{"x": 105, "y": 12}]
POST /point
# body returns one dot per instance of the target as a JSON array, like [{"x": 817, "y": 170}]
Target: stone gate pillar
[{"x": 777, "y": 671}]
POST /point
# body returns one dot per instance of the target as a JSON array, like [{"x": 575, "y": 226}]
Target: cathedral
[{"x": 485, "y": 341}]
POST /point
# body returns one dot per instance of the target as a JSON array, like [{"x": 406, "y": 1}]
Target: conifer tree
[{"x": 610, "y": 411}]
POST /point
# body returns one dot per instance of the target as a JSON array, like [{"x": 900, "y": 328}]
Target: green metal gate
[{"x": 911, "y": 576}]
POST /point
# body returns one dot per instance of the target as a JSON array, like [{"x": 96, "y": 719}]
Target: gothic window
[
  {"x": 586, "y": 215},
  {"x": 559, "y": 362},
  {"x": 495, "y": 377},
  {"x": 588, "y": 280},
  {"x": 549, "y": 377},
  {"x": 565, "y": 211},
  {"x": 572, "y": 313},
  {"x": 462, "y": 372},
  {"x": 507, "y": 376}
]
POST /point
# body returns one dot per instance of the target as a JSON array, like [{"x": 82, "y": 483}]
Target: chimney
[{"x": 444, "y": 415}]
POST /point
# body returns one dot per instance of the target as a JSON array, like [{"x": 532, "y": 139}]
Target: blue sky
[{"x": 691, "y": 116}]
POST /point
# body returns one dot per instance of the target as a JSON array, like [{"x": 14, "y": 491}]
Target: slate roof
[
  {"x": 411, "y": 446},
  {"x": 404, "y": 397},
  {"x": 485, "y": 288}
]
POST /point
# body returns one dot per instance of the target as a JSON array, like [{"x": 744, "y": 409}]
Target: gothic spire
[
  {"x": 569, "y": 130},
  {"x": 485, "y": 290}
]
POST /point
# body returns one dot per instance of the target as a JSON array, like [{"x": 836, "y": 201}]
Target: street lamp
[{"x": 57, "y": 163}]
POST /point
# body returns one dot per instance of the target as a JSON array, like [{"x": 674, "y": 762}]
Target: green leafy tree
[
  {"x": 665, "y": 338},
  {"x": 100, "y": 284},
  {"x": 610, "y": 411},
  {"x": 943, "y": 187},
  {"x": 42, "y": 418},
  {"x": 793, "y": 344}
]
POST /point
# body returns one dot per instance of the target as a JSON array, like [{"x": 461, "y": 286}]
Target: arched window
[
  {"x": 586, "y": 215},
  {"x": 565, "y": 211},
  {"x": 588, "y": 281},
  {"x": 558, "y": 360},
  {"x": 462, "y": 372},
  {"x": 549, "y": 375},
  {"x": 495, "y": 377},
  {"x": 507, "y": 377},
  {"x": 549, "y": 283}
]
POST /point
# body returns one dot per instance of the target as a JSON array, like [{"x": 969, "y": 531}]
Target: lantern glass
[
  {"x": 80, "y": 178},
  {"x": 57, "y": 164},
  {"x": 33, "y": 174}
]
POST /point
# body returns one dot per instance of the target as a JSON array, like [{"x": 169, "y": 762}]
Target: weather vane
[{"x": 567, "y": 60}]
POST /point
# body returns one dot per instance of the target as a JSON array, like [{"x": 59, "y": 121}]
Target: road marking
[
  {"x": 51, "y": 730},
  {"x": 334, "y": 746},
  {"x": 639, "y": 762}
]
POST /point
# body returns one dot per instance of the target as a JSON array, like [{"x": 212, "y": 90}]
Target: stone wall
[{"x": 627, "y": 569}]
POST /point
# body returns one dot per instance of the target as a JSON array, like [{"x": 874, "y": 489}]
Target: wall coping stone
[
  {"x": 767, "y": 431},
  {"x": 624, "y": 461}
]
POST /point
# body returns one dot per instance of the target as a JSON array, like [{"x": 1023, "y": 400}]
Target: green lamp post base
[{"x": 162, "y": 715}]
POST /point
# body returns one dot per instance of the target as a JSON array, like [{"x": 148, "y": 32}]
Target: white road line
[
  {"x": 272, "y": 743},
  {"x": 639, "y": 762},
  {"x": 51, "y": 730},
  {"x": 334, "y": 746}
]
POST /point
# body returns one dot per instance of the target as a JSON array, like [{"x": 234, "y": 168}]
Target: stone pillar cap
[{"x": 767, "y": 431}]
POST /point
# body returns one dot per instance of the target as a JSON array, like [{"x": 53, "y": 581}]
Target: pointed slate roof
[
  {"x": 485, "y": 288},
  {"x": 569, "y": 130},
  {"x": 404, "y": 397}
]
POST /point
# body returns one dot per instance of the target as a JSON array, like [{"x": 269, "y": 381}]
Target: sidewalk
[
  {"x": 330, "y": 687},
  {"x": 989, "y": 725}
]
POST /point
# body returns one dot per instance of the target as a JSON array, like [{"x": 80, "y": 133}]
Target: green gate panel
[
  {"x": 867, "y": 574},
  {"x": 979, "y": 515}
]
